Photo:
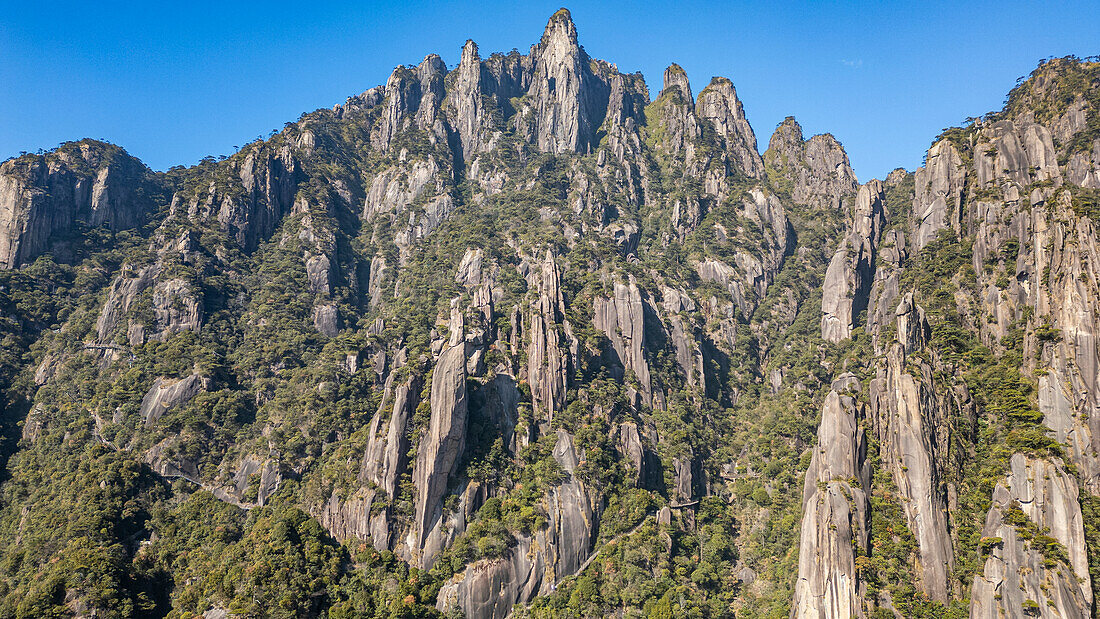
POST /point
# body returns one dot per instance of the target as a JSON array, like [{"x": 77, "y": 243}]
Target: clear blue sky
[{"x": 174, "y": 81}]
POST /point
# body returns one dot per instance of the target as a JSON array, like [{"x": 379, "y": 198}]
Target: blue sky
[{"x": 174, "y": 81}]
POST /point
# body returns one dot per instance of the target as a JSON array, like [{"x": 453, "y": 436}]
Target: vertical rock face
[
  {"x": 847, "y": 287},
  {"x": 388, "y": 446},
  {"x": 621, "y": 164},
  {"x": 44, "y": 197},
  {"x": 939, "y": 193},
  {"x": 1025, "y": 573},
  {"x": 377, "y": 275},
  {"x": 568, "y": 102},
  {"x": 176, "y": 307},
  {"x": 622, "y": 319},
  {"x": 1019, "y": 153},
  {"x": 385, "y": 459},
  {"x": 816, "y": 171},
  {"x": 755, "y": 263},
  {"x": 166, "y": 394},
  {"x": 412, "y": 100},
  {"x": 121, "y": 296},
  {"x": 571, "y": 511},
  {"x": 685, "y": 340},
  {"x": 394, "y": 189},
  {"x": 633, "y": 451},
  {"x": 248, "y": 197},
  {"x": 440, "y": 450},
  {"x": 1066, "y": 292},
  {"x": 677, "y": 123},
  {"x": 834, "y": 515},
  {"x": 548, "y": 353},
  {"x": 676, "y": 77},
  {"x": 907, "y": 418},
  {"x": 719, "y": 104},
  {"x": 469, "y": 109},
  {"x": 490, "y": 588},
  {"x": 431, "y": 72},
  {"x": 270, "y": 181},
  {"x": 681, "y": 128},
  {"x": 1084, "y": 167},
  {"x": 890, "y": 256}
]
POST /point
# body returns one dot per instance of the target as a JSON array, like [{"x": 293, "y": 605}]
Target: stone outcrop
[
  {"x": 677, "y": 124},
  {"x": 634, "y": 452},
  {"x": 676, "y": 77},
  {"x": 550, "y": 341},
  {"x": 412, "y": 101},
  {"x": 1018, "y": 153},
  {"x": 847, "y": 287},
  {"x": 622, "y": 319},
  {"x": 835, "y": 513},
  {"x": 250, "y": 199},
  {"x": 439, "y": 451},
  {"x": 469, "y": 269},
  {"x": 166, "y": 394},
  {"x": 567, "y": 101},
  {"x": 1035, "y": 540},
  {"x": 176, "y": 307},
  {"x": 122, "y": 295},
  {"x": 708, "y": 146},
  {"x": 1066, "y": 249},
  {"x": 718, "y": 103},
  {"x": 470, "y": 115},
  {"x": 44, "y": 198},
  {"x": 262, "y": 472},
  {"x": 908, "y": 419},
  {"x": 385, "y": 457},
  {"x": 270, "y": 182},
  {"x": 326, "y": 320},
  {"x": 397, "y": 187},
  {"x": 489, "y": 588},
  {"x": 816, "y": 170},
  {"x": 892, "y": 252},
  {"x": 684, "y": 336},
  {"x": 413, "y": 181},
  {"x": 384, "y": 461},
  {"x": 939, "y": 193},
  {"x": 755, "y": 264}
]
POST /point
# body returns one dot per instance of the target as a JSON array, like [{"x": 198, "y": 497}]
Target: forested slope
[{"x": 521, "y": 337}]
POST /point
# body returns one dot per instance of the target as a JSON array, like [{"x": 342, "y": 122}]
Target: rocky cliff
[
  {"x": 46, "y": 199},
  {"x": 1035, "y": 541},
  {"x": 516, "y": 338},
  {"x": 835, "y": 512}
]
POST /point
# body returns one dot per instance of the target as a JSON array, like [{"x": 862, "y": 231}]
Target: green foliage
[
  {"x": 655, "y": 569},
  {"x": 1052, "y": 87},
  {"x": 888, "y": 567},
  {"x": 86, "y": 506},
  {"x": 1090, "y": 512},
  {"x": 279, "y": 567},
  {"x": 1086, "y": 202},
  {"x": 86, "y": 527}
]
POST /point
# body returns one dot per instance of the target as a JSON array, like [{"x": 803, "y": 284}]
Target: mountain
[{"x": 519, "y": 338}]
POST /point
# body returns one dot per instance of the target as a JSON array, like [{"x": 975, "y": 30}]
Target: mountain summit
[{"x": 515, "y": 338}]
